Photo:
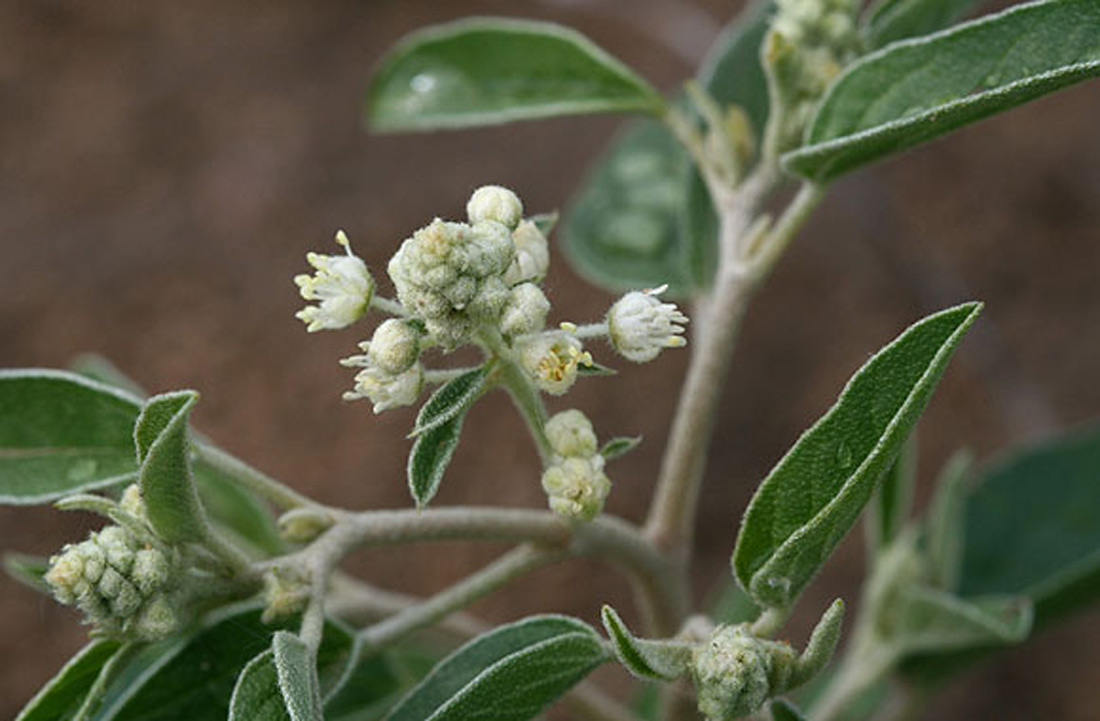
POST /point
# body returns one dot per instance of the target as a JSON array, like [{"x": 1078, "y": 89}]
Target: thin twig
[{"x": 255, "y": 480}]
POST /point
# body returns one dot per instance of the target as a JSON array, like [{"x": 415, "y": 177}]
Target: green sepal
[{"x": 648, "y": 660}]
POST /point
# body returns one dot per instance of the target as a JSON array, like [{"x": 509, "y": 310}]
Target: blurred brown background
[{"x": 165, "y": 166}]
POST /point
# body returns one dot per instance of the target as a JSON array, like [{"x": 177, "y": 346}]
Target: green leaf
[
  {"x": 431, "y": 454},
  {"x": 893, "y": 20},
  {"x": 784, "y": 710},
  {"x": 453, "y": 397},
  {"x": 619, "y": 447},
  {"x": 643, "y": 218},
  {"x": 367, "y": 690},
  {"x": 893, "y": 499},
  {"x": 622, "y": 229},
  {"x": 193, "y": 677},
  {"x": 297, "y": 676},
  {"x": 944, "y": 522},
  {"x": 486, "y": 71},
  {"x": 28, "y": 570},
  {"x": 163, "y": 450},
  {"x": 912, "y": 92},
  {"x": 62, "y": 696},
  {"x": 99, "y": 368},
  {"x": 236, "y": 510},
  {"x": 933, "y": 620},
  {"x": 815, "y": 493},
  {"x": 595, "y": 369},
  {"x": 256, "y": 697},
  {"x": 508, "y": 674},
  {"x": 729, "y": 604},
  {"x": 60, "y": 434},
  {"x": 545, "y": 222},
  {"x": 648, "y": 660},
  {"x": 1033, "y": 526}
]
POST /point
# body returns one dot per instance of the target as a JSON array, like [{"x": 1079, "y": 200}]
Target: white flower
[
  {"x": 526, "y": 310},
  {"x": 385, "y": 390},
  {"x": 571, "y": 434},
  {"x": 577, "y": 487},
  {"x": 640, "y": 325},
  {"x": 342, "y": 286},
  {"x": 532, "y": 260},
  {"x": 551, "y": 360},
  {"x": 492, "y": 202}
]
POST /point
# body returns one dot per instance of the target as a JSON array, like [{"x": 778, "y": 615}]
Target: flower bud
[
  {"x": 532, "y": 260},
  {"x": 492, "y": 202},
  {"x": 387, "y": 390},
  {"x": 577, "y": 487},
  {"x": 156, "y": 621},
  {"x": 526, "y": 310},
  {"x": 551, "y": 359},
  {"x": 342, "y": 286},
  {"x": 732, "y": 673},
  {"x": 286, "y": 592},
  {"x": 151, "y": 571},
  {"x": 302, "y": 525},
  {"x": 395, "y": 346},
  {"x": 640, "y": 326},
  {"x": 571, "y": 434}
]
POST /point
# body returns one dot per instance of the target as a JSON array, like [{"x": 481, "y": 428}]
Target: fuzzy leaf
[
  {"x": 933, "y": 620},
  {"x": 1033, "y": 526},
  {"x": 648, "y": 660},
  {"x": 893, "y": 500},
  {"x": 193, "y": 677},
  {"x": 62, "y": 696},
  {"x": 508, "y": 674},
  {"x": 297, "y": 674},
  {"x": 28, "y": 570},
  {"x": 912, "y": 92},
  {"x": 256, "y": 697},
  {"x": 893, "y": 20},
  {"x": 368, "y": 688},
  {"x": 431, "y": 454},
  {"x": 814, "y": 495},
  {"x": 163, "y": 450},
  {"x": 944, "y": 522},
  {"x": 622, "y": 229},
  {"x": 595, "y": 369},
  {"x": 486, "y": 71},
  {"x": 453, "y": 397},
  {"x": 61, "y": 433},
  {"x": 619, "y": 447}
]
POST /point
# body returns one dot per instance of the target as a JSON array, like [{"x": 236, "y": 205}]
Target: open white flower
[
  {"x": 342, "y": 286},
  {"x": 551, "y": 359},
  {"x": 640, "y": 325},
  {"x": 385, "y": 390},
  {"x": 577, "y": 487}
]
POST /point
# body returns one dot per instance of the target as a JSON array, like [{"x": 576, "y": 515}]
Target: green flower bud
[
  {"x": 733, "y": 673},
  {"x": 526, "y": 310},
  {"x": 394, "y": 347},
  {"x": 551, "y": 360},
  {"x": 286, "y": 592},
  {"x": 532, "y": 261},
  {"x": 156, "y": 621},
  {"x": 151, "y": 571},
  {"x": 132, "y": 502},
  {"x": 492, "y": 202},
  {"x": 577, "y": 487},
  {"x": 302, "y": 525},
  {"x": 571, "y": 434}
]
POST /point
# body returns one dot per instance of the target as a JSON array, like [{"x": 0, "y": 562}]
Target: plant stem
[
  {"x": 777, "y": 240},
  {"x": 387, "y": 305},
  {"x": 672, "y": 513},
  {"x": 253, "y": 479},
  {"x": 509, "y": 566}
]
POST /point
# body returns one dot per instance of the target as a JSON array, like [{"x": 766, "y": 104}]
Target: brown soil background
[{"x": 165, "y": 166}]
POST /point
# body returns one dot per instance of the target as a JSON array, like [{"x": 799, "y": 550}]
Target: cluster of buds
[
  {"x": 123, "y": 582},
  {"x": 574, "y": 482},
  {"x": 810, "y": 42}
]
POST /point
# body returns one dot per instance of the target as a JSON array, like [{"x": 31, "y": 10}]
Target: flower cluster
[
  {"x": 124, "y": 584},
  {"x": 574, "y": 482},
  {"x": 809, "y": 44}
]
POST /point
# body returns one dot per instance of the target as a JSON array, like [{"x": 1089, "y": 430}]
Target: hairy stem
[{"x": 509, "y": 566}]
